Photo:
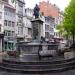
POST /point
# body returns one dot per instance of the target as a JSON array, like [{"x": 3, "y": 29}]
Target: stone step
[
  {"x": 34, "y": 57},
  {"x": 37, "y": 71},
  {"x": 37, "y": 66},
  {"x": 37, "y": 62}
]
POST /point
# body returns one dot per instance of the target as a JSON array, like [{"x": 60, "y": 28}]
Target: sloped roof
[{"x": 6, "y": 4}]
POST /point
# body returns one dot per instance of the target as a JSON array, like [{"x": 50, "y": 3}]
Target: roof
[
  {"x": 6, "y": 4},
  {"x": 9, "y": 6}
]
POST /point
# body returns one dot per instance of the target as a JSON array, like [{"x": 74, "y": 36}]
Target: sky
[{"x": 60, "y": 3}]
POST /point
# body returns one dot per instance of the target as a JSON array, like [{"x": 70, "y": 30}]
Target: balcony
[
  {"x": 28, "y": 36},
  {"x": 20, "y": 13},
  {"x": 20, "y": 23},
  {"x": 9, "y": 38},
  {"x": 19, "y": 36}
]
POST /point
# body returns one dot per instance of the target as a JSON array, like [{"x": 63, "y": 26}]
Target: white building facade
[
  {"x": 58, "y": 20},
  {"x": 48, "y": 27},
  {"x": 27, "y": 24},
  {"x": 9, "y": 27},
  {"x": 11, "y": 23},
  {"x": 7, "y": 23},
  {"x": 20, "y": 6}
]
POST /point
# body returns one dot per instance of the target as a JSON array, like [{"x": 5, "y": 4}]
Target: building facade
[
  {"x": 58, "y": 20},
  {"x": 9, "y": 27},
  {"x": 49, "y": 27},
  {"x": 11, "y": 23},
  {"x": 7, "y": 23},
  {"x": 53, "y": 11},
  {"x": 27, "y": 24},
  {"x": 48, "y": 9},
  {"x": 20, "y": 6}
]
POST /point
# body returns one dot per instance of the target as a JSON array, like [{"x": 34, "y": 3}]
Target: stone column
[{"x": 37, "y": 29}]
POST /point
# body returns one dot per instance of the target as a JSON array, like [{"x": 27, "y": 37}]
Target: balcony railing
[
  {"x": 19, "y": 36},
  {"x": 28, "y": 36},
  {"x": 20, "y": 13},
  {"x": 9, "y": 38}
]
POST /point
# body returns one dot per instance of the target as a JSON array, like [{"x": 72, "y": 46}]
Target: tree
[
  {"x": 62, "y": 31},
  {"x": 13, "y": 1},
  {"x": 69, "y": 19}
]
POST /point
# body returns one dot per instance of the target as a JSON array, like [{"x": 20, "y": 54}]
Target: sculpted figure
[{"x": 36, "y": 11}]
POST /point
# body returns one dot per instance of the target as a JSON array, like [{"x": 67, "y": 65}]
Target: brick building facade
[{"x": 48, "y": 9}]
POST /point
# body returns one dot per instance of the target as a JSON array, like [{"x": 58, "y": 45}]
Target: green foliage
[
  {"x": 13, "y": 1},
  {"x": 60, "y": 28},
  {"x": 69, "y": 18},
  {"x": 68, "y": 24},
  {"x": 62, "y": 31}
]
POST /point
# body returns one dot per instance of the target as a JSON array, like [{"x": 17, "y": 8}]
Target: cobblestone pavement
[{"x": 70, "y": 72}]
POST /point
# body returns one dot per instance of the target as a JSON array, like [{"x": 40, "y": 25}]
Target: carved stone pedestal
[{"x": 37, "y": 27}]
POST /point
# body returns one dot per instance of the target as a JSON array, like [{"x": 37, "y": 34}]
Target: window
[
  {"x": 25, "y": 10},
  {"x": 5, "y": 33},
  {"x": 0, "y": 6},
  {"x": 9, "y": 33},
  {"x": 9, "y": 23},
  {"x": 12, "y": 33},
  {"x": 51, "y": 29},
  {"x": 29, "y": 31},
  {"x": 13, "y": 24},
  {"x": 12, "y": 46},
  {"x": 20, "y": 11},
  {"x": 0, "y": 15},
  {"x": 20, "y": 30},
  {"x": 54, "y": 34},
  {"x": 5, "y": 22},
  {"x": 9, "y": 46},
  {"x": 5, "y": 45},
  {"x": 20, "y": 19},
  {"x": 46, "y": 34},
  {"x": 0, "y": 27},
  {"x": 6, "y": 13},
  {"x": 46, "y": 27}
]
